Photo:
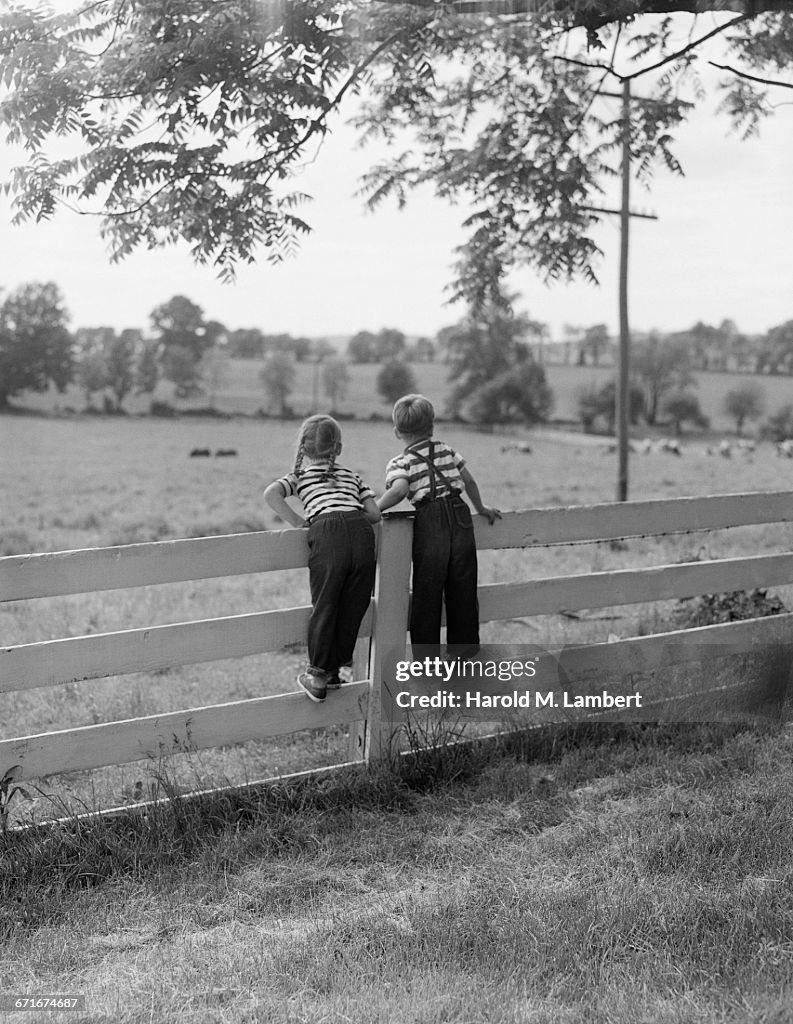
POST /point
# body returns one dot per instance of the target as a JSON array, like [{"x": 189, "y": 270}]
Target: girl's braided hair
[{"x": 319, "y": 438}]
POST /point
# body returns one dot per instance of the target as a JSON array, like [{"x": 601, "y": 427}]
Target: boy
[{"x": 433, "y": 477}]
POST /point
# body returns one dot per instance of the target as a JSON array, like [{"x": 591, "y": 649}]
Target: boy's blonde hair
[
  {"x": 414, "y": 415},
  {"x": 319, "y": 438}
]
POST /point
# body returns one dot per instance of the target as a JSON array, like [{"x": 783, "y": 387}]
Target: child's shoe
[
  {"x": 315, "y": 687},
  {"x": 333, "y": 682}
]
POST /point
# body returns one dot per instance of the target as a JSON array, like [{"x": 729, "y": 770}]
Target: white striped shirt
[
  {"x": 343, "y": 491},
  {"x": 408, "y": 466}
]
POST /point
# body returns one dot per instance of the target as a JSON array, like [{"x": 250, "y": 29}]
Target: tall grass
[{"x": 618, "y": 874}]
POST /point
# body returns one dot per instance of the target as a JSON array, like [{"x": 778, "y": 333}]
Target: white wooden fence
[{"x": 359, "y": 704}]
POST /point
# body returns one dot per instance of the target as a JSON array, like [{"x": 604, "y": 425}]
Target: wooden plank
[
  {"x": 157, "y": 736},
  {"x": 137, "y": 565},
  {"x": 632, "y": 519},
  {"x": 551, "y": 595},
  {"x": 589, "y": 667},
  {"x": 390, "y": 627},
  {"x": 54, "y": 662}
]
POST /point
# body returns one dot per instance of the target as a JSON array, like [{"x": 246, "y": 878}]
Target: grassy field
[
  {"x": 243, "y": 391},
  {"x": 631, "y": 876}
]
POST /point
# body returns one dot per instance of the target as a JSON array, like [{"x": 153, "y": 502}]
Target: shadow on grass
[{"x": 43, "y": 867}]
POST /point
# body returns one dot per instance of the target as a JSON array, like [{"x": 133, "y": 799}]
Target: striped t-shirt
[
  {"x": 342, "y": 491},
  {"x": 408, "y": 466}
]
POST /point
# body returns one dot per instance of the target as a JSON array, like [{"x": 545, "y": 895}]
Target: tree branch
[
  {"x": 751, "y": 78},
  {"x": 585, "y": 16},
  {"x": 691, "y": 46}
]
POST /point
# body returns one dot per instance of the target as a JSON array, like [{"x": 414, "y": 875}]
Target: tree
[
  {"x": 147, "y": 367},
  {"x": 247, "y": 343},
  {"x": 278, "y": 377},
  {"x": 487, "y": 343},
  {"x": 214, "y": 370},
  {"x": 780, "y": 425},
  {"x": 595, "y": 402},
  {"x": 661, "y": 366},
  {"x": 390, "y": 344},
  {"x": 90, "y": 364},
  {"x": 179, "y": 366},
  {"x": 518, "y": 395},
  {"x": 683, "y": 407},
  {"x": 394, "y": 380},
  {"x": 120, "y": 363},
  {"x": 776, "y": 353},
  {"x": 595, "y": 343},
  {"x": 512, "y": 124},
  {"x": 35, "y": 344},
  {"x": 335, "y": 380},
  {"x": 362, "y": 347},
  {"x": 744, "y": 403},
  {"x": 179, "y": 324}
]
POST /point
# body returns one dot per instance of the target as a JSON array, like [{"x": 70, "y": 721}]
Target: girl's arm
[
  {"x": 371, "y": 511},
  {"x": 276, "y": 499},
  {"x": 472, "y": 490},
  {"x": 393, "y": 495}
]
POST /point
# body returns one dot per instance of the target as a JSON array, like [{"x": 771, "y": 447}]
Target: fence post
[
  {"x": 356, "y": 737},
  {"x": 389, "y": 633}
]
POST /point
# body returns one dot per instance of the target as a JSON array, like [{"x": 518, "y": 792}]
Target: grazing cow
[
  {"x": 785, "y": 448},
  {"x": 197, "y": 452},
  {"x": 724, "y": 448},
  {"x": 521, "y": 447},
  {"x": 225, "y": 452}
]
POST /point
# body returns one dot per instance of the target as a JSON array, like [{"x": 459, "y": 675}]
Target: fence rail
[{"x": 361, "y": 705}]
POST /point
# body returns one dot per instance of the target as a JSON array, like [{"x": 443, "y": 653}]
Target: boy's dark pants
[
  {"x": 341, "y": 567},
  {"x": 444, "y": 565}
]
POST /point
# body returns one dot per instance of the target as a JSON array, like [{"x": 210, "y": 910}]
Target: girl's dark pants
[
  {"x": 341, "y": 567},
  {"x": 444, "y": 566}
]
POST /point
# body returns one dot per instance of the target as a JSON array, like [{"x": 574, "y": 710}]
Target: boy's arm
[
  {"x": 276, "y": 499},
  {"x": 472, "y": 490},
  {"x": 371, "y": 511},
  {"x": 397, "y": 492}
]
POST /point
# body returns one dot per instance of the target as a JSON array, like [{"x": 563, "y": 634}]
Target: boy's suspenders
[{"x": 434, "y": 471}]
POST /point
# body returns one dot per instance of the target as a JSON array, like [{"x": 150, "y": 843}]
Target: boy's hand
[{"x": 491, "y": 514}]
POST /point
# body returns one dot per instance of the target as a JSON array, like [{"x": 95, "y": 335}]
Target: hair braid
[
  {"x": 319, "y": 438},
  {"x": 298, "y": 458},
  {"x": 331, "y": 470}
]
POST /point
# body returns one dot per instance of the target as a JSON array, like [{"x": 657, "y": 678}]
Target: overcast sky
[{"x": 722, "y": 248}]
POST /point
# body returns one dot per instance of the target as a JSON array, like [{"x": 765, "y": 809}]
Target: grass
[{"x": 619, "y": 875}]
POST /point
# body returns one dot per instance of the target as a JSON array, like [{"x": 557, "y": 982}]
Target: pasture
[
  {"x": 243, "y": 392},
  {"x": 629, "y": 875}
]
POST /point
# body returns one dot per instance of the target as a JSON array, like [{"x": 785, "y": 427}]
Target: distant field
[{"x": 243, "y": 392}]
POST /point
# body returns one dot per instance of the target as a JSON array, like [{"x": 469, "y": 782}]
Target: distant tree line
[
  {"x": 708, "y": 348},
  {"x": 494, "y": 356},
  {"x": 662, "y": 389}
]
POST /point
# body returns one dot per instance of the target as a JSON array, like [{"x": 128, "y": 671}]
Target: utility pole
[
  {"x": 623, "y": 366},
  {"x": 624, "y": 350}
]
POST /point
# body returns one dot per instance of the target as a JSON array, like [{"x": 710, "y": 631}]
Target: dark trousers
[
  {"x": 444, "y": 566},
  {"x": 341, "y": 568}
]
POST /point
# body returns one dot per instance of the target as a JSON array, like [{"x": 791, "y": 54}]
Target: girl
[{"x": 340, "y": 509}]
